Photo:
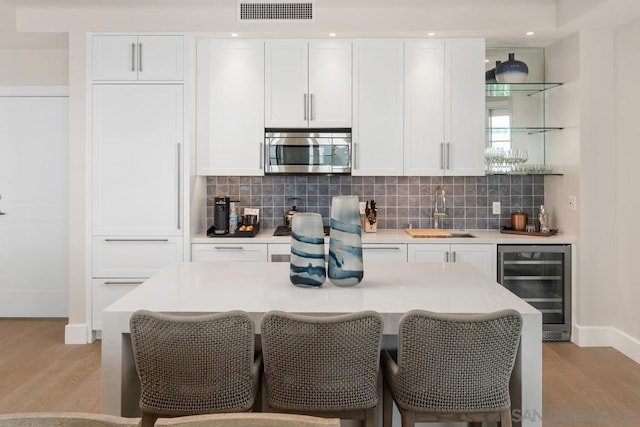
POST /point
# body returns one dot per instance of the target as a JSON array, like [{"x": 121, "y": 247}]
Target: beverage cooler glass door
[{"x": 540, "y": 275}]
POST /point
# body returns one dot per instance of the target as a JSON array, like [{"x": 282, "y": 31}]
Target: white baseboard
[
  {"x": 627, "y": 345},
  {"x": 607, "y": 336},
  {"x": 75, "y": 333}
]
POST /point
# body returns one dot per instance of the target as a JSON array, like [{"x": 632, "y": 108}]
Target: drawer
[
  {"x": 105, "y": 292},
  {"x": 378, "y": 252},
  {"x": 229, "y": 252},
  {"x": 134, "y": 256}
]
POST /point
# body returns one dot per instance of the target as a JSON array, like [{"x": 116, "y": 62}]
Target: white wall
[
  {"x": 36, "y": 67},
  {"x": 627, "y": 166}
]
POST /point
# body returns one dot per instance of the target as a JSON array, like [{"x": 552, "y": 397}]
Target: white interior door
[{"x": 34, "y": 203}]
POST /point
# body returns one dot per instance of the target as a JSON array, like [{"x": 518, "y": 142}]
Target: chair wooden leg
[
  {"x": 387, "y": 407},
  {"x": 505, "y": 418},
  {"x": 148, "y": 420},
  {"x": 370, "y": 417},
  {"x": 408, "y": 418}
]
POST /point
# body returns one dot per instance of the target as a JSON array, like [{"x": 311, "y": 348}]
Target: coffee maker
[{"x": 221, "y": 214}]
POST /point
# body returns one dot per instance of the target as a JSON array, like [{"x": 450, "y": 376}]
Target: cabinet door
[
  {"x": 137, "y": 136},
  {"x": 160, "y": 58},
  {"x": 429, "y": 252},
  {"x": 230, "y": 107},
  {"x": 229, "y": 252},
  {"x": 378, "y": 94},
  {"x": 286, "y": 84},
  {"x": 114, "y": 57},
  {"x": 375, "y": 252},
  {"x": 480, "y": 256},
  {"x": 424, "y": 142},
  {"x": 464, "y": 104},
  {"x": 330, "y": 84}
]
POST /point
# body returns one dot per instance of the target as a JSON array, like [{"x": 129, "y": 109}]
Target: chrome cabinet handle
[
  {"x": 136, "y": 240},
  {"x": 448, "y": 155},
  {"x": 446, "y": 257},
  {"x": 133, "y": 57},
  {"x": 454, "y": 256},
  {"x": 305, "y": 106},
  {"x": 139, "y": 56},
  {"x": 261, "y": 164},
  {"x": 123, "y": 283},
  {"x": 355, "y": 155},
  {"x": 442, "y": 155},
  {"x": 2, "y": 213},
  {"x": 386, "y": 248},
  {"x": 179, "y": 156},
  {"x": 311, "y": 115},
  {"x": 229, "y": 248}
]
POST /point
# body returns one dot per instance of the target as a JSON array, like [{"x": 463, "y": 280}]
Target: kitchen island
[{"x": 391, "y": 289}]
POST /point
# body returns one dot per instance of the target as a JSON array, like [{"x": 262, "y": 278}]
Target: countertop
[{"x": 400, "y": 236}]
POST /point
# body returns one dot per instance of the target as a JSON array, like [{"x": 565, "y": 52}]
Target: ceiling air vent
[{"x": 276, "y": 11}]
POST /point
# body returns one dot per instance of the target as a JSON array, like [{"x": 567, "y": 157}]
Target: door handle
[
  {"x": 124, "y": 283},
  {"x": 442, "y": 155},
  {"x": 311, "y": 115},
  {"x": 2, "y": 213},
  {"x": 261, "y": 164},
  {"x": 453, "y": 254},
  {"x": 139, "y": 56},
  {"x": 448, "y": 155}
]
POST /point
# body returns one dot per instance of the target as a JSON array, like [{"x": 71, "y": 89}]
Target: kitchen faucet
[{"x": 438, "y": 207}]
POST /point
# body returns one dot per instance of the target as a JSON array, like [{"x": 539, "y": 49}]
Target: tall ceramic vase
[
  {"x": 307, "y": 250},
  {"x": 345, "y": 242}
]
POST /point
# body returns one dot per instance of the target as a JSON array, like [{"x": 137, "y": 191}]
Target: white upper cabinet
[
  {"x": 444, "y": 107},
  {"x": 378, "y": 110},
  {"x": 137, "y": 159},
  {"x": 307, "y": 84},
  {"x": 230, "y": 107},
  {"x": 133, "y": 57}
]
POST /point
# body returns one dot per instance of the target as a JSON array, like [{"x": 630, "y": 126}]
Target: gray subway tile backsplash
[{"x": 401, "y": 200}]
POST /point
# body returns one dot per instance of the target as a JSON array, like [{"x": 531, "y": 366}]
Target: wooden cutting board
[{"x": 427, "y": 232}]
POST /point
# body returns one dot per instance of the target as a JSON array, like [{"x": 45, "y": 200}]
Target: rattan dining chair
[
  {"x": 323, "y": 366},
  {"x": 249, "y": 420},
  {"x": 191, "y": 365},
  {"x": 452, "y": 367},
  {"x": 64, "y": 419}
]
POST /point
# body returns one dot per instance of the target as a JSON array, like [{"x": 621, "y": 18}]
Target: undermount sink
[{"x": 465, "y": 235}]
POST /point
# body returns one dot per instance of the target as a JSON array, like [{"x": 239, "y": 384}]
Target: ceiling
[{"x": 500, "y": 22}]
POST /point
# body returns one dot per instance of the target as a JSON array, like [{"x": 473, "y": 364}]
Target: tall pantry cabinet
[{"x": 137, "y": 165}]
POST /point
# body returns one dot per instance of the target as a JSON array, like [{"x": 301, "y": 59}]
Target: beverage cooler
[{"x": 540, "y": 275}]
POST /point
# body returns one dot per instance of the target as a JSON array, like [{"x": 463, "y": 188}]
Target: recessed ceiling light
[
  {"x": 431, "y": 34},
  {"x": 332, "y": 34},
  {"x": 530, "y": 33},
  {"x": 234, "y": 34},
  {"x": 486, "y": 60}
]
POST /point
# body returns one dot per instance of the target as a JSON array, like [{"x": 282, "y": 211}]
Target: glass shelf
[
  {"x": 510, "y": 89},
  {"x": 528, "y": 130}
]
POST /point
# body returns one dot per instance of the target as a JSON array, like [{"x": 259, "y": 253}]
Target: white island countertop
[{"x": 391, "y": 289}]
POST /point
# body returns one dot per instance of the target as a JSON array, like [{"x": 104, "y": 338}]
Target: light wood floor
[{"x": 38, "y": 372}]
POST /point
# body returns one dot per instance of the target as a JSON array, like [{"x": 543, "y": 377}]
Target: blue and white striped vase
[
  {"x": 345, "y": 242},
  {"x": 512, "y": 71},
  {"x": 307, "y": 251}
]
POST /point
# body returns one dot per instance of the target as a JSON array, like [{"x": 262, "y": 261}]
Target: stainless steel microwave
[{"x": 307, "y": 151}]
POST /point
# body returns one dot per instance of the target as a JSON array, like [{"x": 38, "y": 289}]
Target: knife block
[{"x": 367, "y": 227}]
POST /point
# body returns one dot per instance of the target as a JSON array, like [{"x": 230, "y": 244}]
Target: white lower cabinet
[
  {"x": 133, "y": 256},
  {"x": 228, "y": 252},
  {"x": 376, "y": 252},
  {"x": 481, "y": 256},
  {"x": 105, "y": 292}
]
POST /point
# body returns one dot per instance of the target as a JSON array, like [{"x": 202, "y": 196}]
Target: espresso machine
[{"x": 221, "y": 211}]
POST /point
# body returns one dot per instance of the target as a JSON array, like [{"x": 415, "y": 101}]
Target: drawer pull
[
  {"x": 229, "y": 248},
  {"x": 383, "y": 248},
  {"x": 136, "y": 240},
  {"x": 124, "y": 283}
]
